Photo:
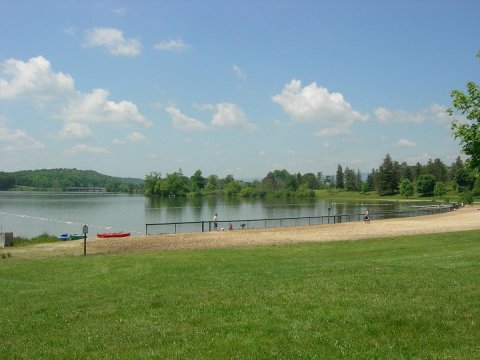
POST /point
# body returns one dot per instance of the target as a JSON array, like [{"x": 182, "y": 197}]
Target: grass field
[{"x": 414, "y": 297}]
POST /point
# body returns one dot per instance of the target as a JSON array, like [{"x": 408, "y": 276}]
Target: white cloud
[
  {"x": 406, "y": 143},
  {"x": 184, "y": 122},
  {"x": 171, "y": 45},
  {"x": 226, "y": 115},
  {"x": 113, "y": 41},
  {"x": 16, "y": 140},
  {"x": 316, "y": 105},
  {"x": 83, "y": 148},
  {"x": 32, "y": 78},
  {"x": 75, "y": 130},
  {"x": 435, "y": 113},
  {"x": 239, "y": 73},
  {"x": 230, "y": 115},
  {"x": 95, "y": 108},
  {"x": 136, "y": 138}
]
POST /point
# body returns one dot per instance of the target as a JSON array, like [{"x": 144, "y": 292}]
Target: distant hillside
[{"x": 64, "y": 179}]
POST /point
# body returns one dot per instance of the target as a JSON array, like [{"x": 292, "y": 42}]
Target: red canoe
[{"x": 112, "y": 235}]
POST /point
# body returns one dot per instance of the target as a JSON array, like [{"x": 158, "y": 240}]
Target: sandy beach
[{"x": 467, "y": 218}]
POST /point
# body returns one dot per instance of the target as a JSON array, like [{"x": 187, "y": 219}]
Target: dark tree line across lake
[{"x": 65, "y": 179}]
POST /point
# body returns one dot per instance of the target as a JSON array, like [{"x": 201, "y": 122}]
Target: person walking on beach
[
  {"x": 366, "y": 218},
  {"x": 215, "y": 224}
]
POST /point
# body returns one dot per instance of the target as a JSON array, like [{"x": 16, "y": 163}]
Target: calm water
[{"x": 32, "y": 213}]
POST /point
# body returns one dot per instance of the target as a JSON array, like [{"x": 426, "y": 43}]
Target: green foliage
[
  {"x": 467, "y": 197},
  {"x": 465, "y": 179},
  {"x": 406, "y": 188},
  {"x": 7, "y": 181},
  {"x": 440, "y": 189},
  {"x": 468, "y": 105},
  {"x": 40, "y": 239},
  {"x": 426, "y": 185}
]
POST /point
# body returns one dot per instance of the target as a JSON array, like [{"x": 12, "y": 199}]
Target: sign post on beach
[{"x": 85, "y": 232}]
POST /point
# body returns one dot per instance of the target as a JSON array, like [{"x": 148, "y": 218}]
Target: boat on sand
[
  {"x": 64, "y": 237},
  {"x": 113, "y": 235}
]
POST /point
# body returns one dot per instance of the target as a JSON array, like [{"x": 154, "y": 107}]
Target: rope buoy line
[{"x": 96, "y": 226}]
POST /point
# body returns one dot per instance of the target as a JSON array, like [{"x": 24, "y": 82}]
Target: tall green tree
[
  {"x": 350, "y": 180},
  {"x": 426, "y": 184},
  {"x": 388, "y": 180},
  {"x": 468, "y": 133},
  {"x": 339, "y": 179}
]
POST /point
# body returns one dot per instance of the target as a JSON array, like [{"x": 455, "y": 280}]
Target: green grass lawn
[{"x": 413, "y": 297}]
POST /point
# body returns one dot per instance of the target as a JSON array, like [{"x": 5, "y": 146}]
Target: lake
[{"x": 31, "y": 213}]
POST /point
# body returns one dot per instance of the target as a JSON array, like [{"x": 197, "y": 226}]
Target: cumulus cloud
[
  {"x": 16, "y": 140},
  {"x": 316, "y": 105},
  {"x": 95, "y": 108},
  {"x": 75, "y": 130},
  {"x": 171, "y": 45},
  {"x": 32, "y": 78},
  {"x": 113, "y": 42},
  {"x": 225, "y": 115},
  {"x": 182, "y": 121},
  {"x": 435, "y": 113},
  {"x": 406, "y": 143},
  {"x": 230, "y": 115}
]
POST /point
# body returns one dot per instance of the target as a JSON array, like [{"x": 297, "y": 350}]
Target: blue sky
[{"x": 231, "y": 87}]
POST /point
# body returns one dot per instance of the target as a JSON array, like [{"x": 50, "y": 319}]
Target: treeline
[
  {"x": 64, "y": 179},
  {"x": 390, "y": 178},
  {"x": 278, "y": 183},
  {"x": 432, "y": 179}
]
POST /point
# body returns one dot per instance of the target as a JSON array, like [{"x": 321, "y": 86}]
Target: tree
[
  {"x": 339, "y": 179},
  {"x": 212, "y": 183},
  {"x": 467, "y": 104},
  {"x": 350, "y": 180},
  {"x": 406, "y": 188},
  {"x": 6, "y": 181},
  {"x": 197, "y": 181},
  {"x": 233, "y": 188},
  {"x": 440, "y": 189},
  {"x": 151, "y": 181},
  {"x": 176, "y": 184},
  {"x": 455, "y": 167},
  {"x": 437, "y": 168},
  {"x": 465, "y": 180},
  {"x": 426, "y": 184},
  {"x": 310, "y": 181},
  {"x": 387, "y": 181}
]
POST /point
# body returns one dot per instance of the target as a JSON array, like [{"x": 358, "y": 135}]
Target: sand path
[{"x": 467, "y": 218}]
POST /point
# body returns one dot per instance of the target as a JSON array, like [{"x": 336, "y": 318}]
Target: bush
[{"x": 467, "y": 197}]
